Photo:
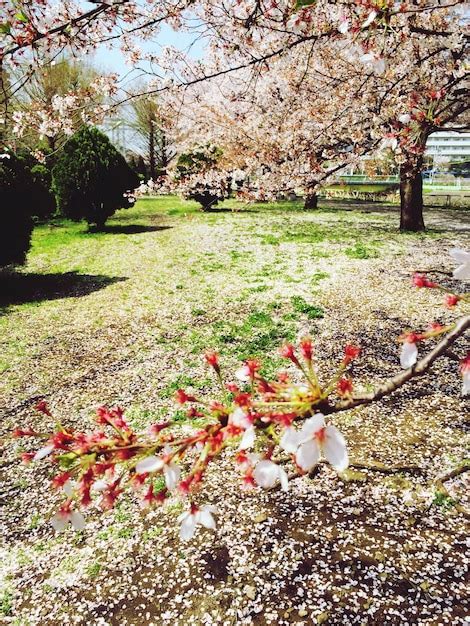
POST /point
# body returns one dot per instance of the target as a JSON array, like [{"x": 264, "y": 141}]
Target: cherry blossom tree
[
  {"x": 330, "y": 101},
  {"x": 401, "y": 65},
  {"x": 49, "y": 86}
]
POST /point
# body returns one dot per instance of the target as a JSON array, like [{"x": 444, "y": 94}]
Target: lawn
[{"x": 124, "y": 317}]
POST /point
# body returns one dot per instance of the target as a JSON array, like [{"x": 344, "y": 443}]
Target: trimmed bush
[
  {"x": 44, "y": 205},
  {"x": 16, "y": 206},
  {"x": 198, "y": 179},
  {"x": 91, "y": 177}
]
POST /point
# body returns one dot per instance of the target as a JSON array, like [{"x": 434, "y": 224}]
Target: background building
[{"x": 448, "y": 146}]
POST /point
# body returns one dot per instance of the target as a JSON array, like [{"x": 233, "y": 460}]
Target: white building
[{"x": 448, "y": 146}]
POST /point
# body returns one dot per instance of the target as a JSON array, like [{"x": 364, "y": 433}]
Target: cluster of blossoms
[
  {"x": 409, "y": 352},
  {"x": 406, "y": 135},
  {"x": 271, "y": 424},
  {"x": 254, "y": 414}
]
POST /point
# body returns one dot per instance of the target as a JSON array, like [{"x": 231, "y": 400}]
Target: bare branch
[{"x": 420, "y": 368}]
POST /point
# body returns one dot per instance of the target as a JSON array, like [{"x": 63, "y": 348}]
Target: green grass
[
  {"x": 312, "y": 311},
  {"x": 166, "y": 277},
  {"x": 6, "y": 602},
  {"x": 361, "y": 251}
]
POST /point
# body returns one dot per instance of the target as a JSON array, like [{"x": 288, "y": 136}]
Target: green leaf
[
  {"x": 301, "y": 4},
  {"x": 22, "y": 17},
  {"x": 67, "y": 460},
  {"x": 5, "y": 28}
]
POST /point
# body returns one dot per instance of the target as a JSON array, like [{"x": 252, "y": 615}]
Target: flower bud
[{"x": 212, "y": 358}]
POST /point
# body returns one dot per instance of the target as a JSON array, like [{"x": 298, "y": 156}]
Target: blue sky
[{"x": 113, "y": 61}]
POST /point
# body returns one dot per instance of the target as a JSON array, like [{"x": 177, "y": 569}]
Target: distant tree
[
  {"x": 196, "y": 176},
  {"x": 153, "y": 138},
  {"x": 91, "y": 177},
  {"x": 43, "y": 203},
  {"x": 64, "y": 77},
  {"x": 136, "y": 161}
]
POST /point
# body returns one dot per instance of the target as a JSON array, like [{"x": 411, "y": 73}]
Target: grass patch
[
  {"x": 312, "y": 311},
  {"x": 94, "y": 569},
  {"x": 182, "y": 382},
  {"x": 361, "y": 251},
  {"x": 443, "y": 500},
  {"x": 317, "y": 277},
  {"x": 258, "y": 334},
  {"x": 6, "y": 602}
]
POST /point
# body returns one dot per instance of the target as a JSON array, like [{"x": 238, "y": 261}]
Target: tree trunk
[
  {"x": 51, "y": 143},
  {"x": 411, "y": 199},
  {"x": 152, "y": 151},
  {"x": 311, "y": 201},
  {"x": 164, "y": 156}
]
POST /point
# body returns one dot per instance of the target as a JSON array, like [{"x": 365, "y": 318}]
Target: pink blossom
[{"x": 465, "y": 370}]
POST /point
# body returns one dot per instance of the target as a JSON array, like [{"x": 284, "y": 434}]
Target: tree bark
[
  {"x": 311, "y": 201},
  {"x": 411, "y": 190},
  {"x": 51, "y": 141},
  {"x": 411, "y": 201},
  {"x": 152, "y": 164}
]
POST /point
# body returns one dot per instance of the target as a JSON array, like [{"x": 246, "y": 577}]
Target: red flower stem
[{"x": 333, "y": 382}]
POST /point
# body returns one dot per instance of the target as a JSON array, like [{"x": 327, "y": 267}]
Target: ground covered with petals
[{"x": 124, "y": 317}]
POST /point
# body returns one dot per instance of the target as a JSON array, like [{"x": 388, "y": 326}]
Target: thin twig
[{"x": 420, "y": 368}]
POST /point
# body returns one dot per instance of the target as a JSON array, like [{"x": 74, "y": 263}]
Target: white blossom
[
  {"x": 248, "y": 439},
  {"x": 409, "y": 355},
  {"x": 370, "y": 18},
  {"x": 172, "y": 473},
  {"x": 43, "y": 452},
  {"x": 239, "y": 419},
  {"x": 61, "y": 520},
  {"x": 190, "y": 519},
  {"x": 466, "y": 382},
  {"x": 462, "y": 257},
  {"x": 267, "y": 473},
  {"x": 344, "y": 26},
  {"x": 314, "y": 438},
  {"x": 243, "y": 374},
  {"x": 149, "y": 464}
]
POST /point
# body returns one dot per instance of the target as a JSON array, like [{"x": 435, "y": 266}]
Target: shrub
[
  {"x": 91, "y": 178},
  {"x": 43, "y": 201},
  {"x": 198, "y": 179},
  {"x": 16, "y": 207},
  {"x": 44, "y": 205}
]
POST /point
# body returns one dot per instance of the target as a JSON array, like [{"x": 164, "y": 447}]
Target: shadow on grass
[
  {"x": 235, "y": 209},
  {"x": 127, "y": 229},
  {"x": 18, "y": 288}
]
